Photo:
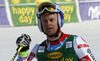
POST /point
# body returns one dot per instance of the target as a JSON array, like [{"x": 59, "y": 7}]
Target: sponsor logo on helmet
[{"x": 55, "y": 55}]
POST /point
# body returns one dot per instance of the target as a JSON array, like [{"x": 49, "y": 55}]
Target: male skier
[{"x": 58, "y": 46}]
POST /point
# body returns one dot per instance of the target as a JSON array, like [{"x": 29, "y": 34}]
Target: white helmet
[{"x": 51, "y": 8}]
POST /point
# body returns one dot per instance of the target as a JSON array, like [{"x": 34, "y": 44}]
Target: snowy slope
[{"x": 89, "y": 30}]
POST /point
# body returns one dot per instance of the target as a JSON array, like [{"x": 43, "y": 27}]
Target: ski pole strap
[{"x": 23, "y": 54}]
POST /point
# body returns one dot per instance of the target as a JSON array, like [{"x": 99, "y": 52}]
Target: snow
[{"x": 89, "y": 30}]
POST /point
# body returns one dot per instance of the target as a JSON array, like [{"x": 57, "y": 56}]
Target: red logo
[
  {"x": 86, "y": 58},
  {"x": 82, "y": 46},
  {"x": 31, "y": 56}
]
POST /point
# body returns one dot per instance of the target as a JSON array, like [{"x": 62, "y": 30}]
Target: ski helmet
[{"x": 51, "y": 8}]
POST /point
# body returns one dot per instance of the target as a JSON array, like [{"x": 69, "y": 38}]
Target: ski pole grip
[{"x": 20, "y": 48}]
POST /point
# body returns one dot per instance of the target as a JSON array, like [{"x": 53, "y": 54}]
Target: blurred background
[{"x": 81, "y": 17}]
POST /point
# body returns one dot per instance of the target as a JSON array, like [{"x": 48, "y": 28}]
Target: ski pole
[{"x": 16, "y": 53}]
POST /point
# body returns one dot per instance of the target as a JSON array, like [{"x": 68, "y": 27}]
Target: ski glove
[{"x": 24, "y": 40}]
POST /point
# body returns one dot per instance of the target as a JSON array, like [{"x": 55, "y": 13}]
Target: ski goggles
[{"x": 48, "y": 6}]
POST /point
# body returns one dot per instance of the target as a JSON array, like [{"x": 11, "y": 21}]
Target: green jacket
[{"x": 65, "y": 53}]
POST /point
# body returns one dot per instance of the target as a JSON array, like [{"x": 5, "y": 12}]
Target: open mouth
[{"x": 49, "y": 29}]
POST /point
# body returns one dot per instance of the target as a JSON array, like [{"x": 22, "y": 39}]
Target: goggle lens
[{"x": 48, "y": 6}]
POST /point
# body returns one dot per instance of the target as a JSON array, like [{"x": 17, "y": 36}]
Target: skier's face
[{"x": 49, "y": 23}]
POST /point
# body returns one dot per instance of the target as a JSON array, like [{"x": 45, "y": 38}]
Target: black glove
[{"x": 24, "y": 40}]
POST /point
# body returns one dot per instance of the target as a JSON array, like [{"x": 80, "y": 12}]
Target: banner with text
[
  {"x": 90, "y": 11},
  {"x": 3, "y": 17},
  {"x": 23, "y": 15},
  {"x": 26, "y": 14},
  {"x": 69, "y": 12}
]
